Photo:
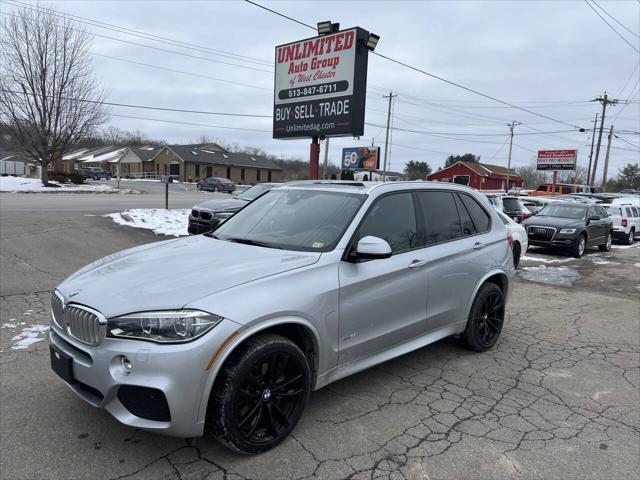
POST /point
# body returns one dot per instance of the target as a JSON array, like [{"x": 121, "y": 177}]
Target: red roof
[{"x": 483, "y": 169}]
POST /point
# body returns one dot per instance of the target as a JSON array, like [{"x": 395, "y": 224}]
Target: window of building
[
  {"x": 229, "y": 173},
  {"x": 198, "y": 170},
  {"x": 242, "y": 174},
  {"x": 479, "y": 215},
  {"x": 393, "y": 219},
  {"x": 269, "y": 176},
  {"x": 165, "y": 168},
  {"x": 258, "y": 175}
]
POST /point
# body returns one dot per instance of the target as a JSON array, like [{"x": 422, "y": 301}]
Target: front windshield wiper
[{"x": 256, "y": 243}]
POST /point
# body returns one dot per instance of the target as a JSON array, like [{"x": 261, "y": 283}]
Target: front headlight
[
  {"x": 568, "y": 230},
  {"x": 223, "y": 215},
  {"x": 169, "y": 326}
]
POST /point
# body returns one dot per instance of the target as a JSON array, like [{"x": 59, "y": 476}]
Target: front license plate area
[{"x": 62, "y": 364}]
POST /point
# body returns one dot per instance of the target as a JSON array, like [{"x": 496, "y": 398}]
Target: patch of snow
[
  {"x": 160, "y": 221},
  {"x": 24, "y": 184},
  {"x": 545, "y": 260},
  {"x": 633, "y": 245},
  {"x": 637, "y": 264},
  {"x": 9, "y": 325},
  {"x": 28, "y": 337},
  {"x": 564, "y": 276}
]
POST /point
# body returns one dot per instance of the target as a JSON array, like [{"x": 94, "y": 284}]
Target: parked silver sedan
[{"x": 228, "y": 332}]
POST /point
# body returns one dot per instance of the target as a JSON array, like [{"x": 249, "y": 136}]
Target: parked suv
[
  {"x": 309, "y": 283},
  {"x": 626, "y": 221},
  {"x": 205, "y": 216},
  {"x": 94, "y": 172},
  {"x": 571, "y": 226},
  {"x": 513, "y": 207},
  {"x": 216, "y": 184}
]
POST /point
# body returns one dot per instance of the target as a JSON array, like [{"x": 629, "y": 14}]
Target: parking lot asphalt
[{"x": 558, "y": 397}]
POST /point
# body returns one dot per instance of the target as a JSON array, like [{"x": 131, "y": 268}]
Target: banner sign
[
  {"x": 557, "y": 159},
  {"x": 320, "y": 86},
  {"x": 361, "y": 158}
]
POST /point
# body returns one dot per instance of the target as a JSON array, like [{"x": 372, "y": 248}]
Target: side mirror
[{"x": 373, "y": 248}]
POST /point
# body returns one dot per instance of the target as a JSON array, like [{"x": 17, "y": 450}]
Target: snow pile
[
  {"x": 160, "y": 221},
  {"x": 28, "y": 337},
  {"x": 564, "y": 276},
  {"x": 23, "y": 184},
  {"x": 533, "y": 258}
]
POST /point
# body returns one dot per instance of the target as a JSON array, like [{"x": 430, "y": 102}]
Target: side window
[
  {"x": 629, "y": 214},
  {"x": 478, "y": 214},
  {"x": 593, "y": 212},
  {"x": 392, "y": 218},
  {"x": 441, "y": 218},
  {"x": 602, "y": 212},
  {"x": 465, "y": 219},
  {"x": 636, "y": 211}
]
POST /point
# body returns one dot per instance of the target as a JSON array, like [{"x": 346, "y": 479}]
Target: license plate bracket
[{"x": 62, "y": 365}]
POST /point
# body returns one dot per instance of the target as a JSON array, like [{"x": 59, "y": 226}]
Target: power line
[
  {"x": 146, "y": 107},
  {"x": 616, "y": 20},
  {"x": 206, "y": 59},
  {"x": 611, "y": 27},
  {"x": 140, "y": 34},
  {"x": 424, "y": 72},
  {"x": 192, "y": 74},
  {"x": 190, "y": 123}
]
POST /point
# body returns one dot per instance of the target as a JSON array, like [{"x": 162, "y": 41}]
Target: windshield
[
  {"x": 304, "y": 220},
  {"x": 511, "y": 204},
  {"x": 254, "y": 192},
  {"x": 563, "y": 211}
]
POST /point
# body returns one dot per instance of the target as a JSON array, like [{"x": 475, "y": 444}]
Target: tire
[
  {"x": 580, "y": 246},
  {"x": 486, "y": 318},
  {"x": 199, "y": 187},
  {"x": 629, "y": 238},
  {"x": 517, "y": 249},
  {"x": 606, "y": 247},
  {"x": 216, "y": 189},
  {"x": 95, "y": 177},
  {"x": 259, "y": 395},
  {"x": 108, "y": 177}
]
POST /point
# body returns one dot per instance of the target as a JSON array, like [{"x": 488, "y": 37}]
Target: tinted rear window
[
  {"x": 478, "y": 214},
  {"x": 511, "y": 204},
  {"x": 441, "y": 218}
]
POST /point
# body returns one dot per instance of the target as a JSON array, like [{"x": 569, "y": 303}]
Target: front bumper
[
  {"x": 199, "y": 225},
  {"x": 178, "y": 372},
  {"x": 558, "y": 241}
]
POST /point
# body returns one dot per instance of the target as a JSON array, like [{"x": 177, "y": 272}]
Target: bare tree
[{"x": 48, "y": 95}]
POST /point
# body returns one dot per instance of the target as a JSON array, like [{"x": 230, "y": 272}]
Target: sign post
[
  {"x": 556, "y": 160},
  {"x": 320, "y": 88}
]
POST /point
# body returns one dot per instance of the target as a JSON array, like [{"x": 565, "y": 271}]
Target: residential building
[{"x": 481, "y": 176}]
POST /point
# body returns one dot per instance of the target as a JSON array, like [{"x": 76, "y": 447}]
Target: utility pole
[
  {"x": 325, "y": 166},
  {"x": 604, "y": 100},
  {"x": 386, "y": 141},
  {"x": 606, "y": 161},
  {"x": 593, "y": 139},
  {"x": 511, "y": 126}
]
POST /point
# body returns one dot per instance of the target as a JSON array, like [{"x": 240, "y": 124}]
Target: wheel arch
[
  {"x": 497, "y": 277},
  {"x": 299, "y": 330}
]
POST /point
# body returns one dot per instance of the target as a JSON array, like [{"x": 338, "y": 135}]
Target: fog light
[{"x": 126, "y": 364}]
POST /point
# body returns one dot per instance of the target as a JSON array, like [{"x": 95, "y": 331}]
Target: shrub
[{"x": 60, "y": 177}]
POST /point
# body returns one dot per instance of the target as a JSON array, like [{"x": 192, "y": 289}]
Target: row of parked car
[{"x": 572, "y": 223}]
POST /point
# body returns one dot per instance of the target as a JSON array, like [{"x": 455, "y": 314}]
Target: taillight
[
  {"x": 526, "y": 215},
  {"x": 624, "y": 222},
  {"x": 510, "y": 239}
]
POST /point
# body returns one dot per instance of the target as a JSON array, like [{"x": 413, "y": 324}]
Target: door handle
[
  {"x": 478, "y": 245},
  {"x": 417, "y": 263}
]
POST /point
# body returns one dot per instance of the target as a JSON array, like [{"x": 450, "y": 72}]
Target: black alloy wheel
[
  {"x": 486, "y": 318},
  {"x": 260, "y": 396}
]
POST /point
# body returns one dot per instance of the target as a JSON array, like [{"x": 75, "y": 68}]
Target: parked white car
[
  {"x": 626, "y": 221},
  {"x": 519, "y": 235}
]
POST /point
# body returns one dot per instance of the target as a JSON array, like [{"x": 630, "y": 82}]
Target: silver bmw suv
[{"x": 228, "y": 332}]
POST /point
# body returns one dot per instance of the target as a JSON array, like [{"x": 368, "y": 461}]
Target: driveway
[{"x": 557, "y": 398}]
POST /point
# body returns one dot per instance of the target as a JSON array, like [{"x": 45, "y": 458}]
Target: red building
[{"x": 477, "y": 175}]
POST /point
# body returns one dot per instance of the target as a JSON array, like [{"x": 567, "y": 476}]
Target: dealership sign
[
  {"x": 557, "y": 159},
  {"x": 361, "y": 158},
  {"x": 320, "y": 86}
]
